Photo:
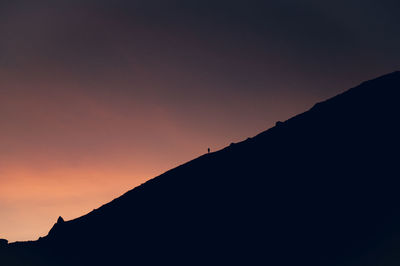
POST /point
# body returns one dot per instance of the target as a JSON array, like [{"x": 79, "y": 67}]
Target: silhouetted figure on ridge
[{"x": 208, "y": 150}]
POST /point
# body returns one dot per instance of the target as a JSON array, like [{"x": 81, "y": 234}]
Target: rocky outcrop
[
  {"x": 57, "y": 225},
  {"x": 60, "y": 220}
]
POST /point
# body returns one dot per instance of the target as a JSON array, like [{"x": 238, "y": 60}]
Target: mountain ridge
[
  {"x": 315, "y": 106},
  {"x": 279, "y": 192}
]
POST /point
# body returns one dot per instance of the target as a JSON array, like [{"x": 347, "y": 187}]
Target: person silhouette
[{"x": 208, "y": 150}]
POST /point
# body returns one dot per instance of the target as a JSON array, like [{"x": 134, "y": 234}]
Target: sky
[{"x": 96, "y": 97}]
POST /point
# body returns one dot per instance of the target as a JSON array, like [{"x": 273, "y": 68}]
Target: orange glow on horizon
[{"x": 64, "y": 153}]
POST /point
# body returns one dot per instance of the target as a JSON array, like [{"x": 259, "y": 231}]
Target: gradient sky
[{"x": 97, "y": 97}]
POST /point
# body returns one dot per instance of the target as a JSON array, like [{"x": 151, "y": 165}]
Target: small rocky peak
[{"x": 60, "y": 220}]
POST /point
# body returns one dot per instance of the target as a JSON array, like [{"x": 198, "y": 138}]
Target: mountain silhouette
[{"x": 321, "y": 188}]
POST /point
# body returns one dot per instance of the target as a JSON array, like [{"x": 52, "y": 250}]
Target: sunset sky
[{"x": 96, "y": 97}]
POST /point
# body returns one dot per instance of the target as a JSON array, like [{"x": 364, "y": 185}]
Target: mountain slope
[{"x": 320, "y": 188}]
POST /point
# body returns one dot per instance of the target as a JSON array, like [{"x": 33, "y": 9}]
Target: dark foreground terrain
[{"x": 322, "y": 188}]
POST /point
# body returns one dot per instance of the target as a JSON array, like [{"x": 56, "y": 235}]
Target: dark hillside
[{"x": 319, "y": 189}]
